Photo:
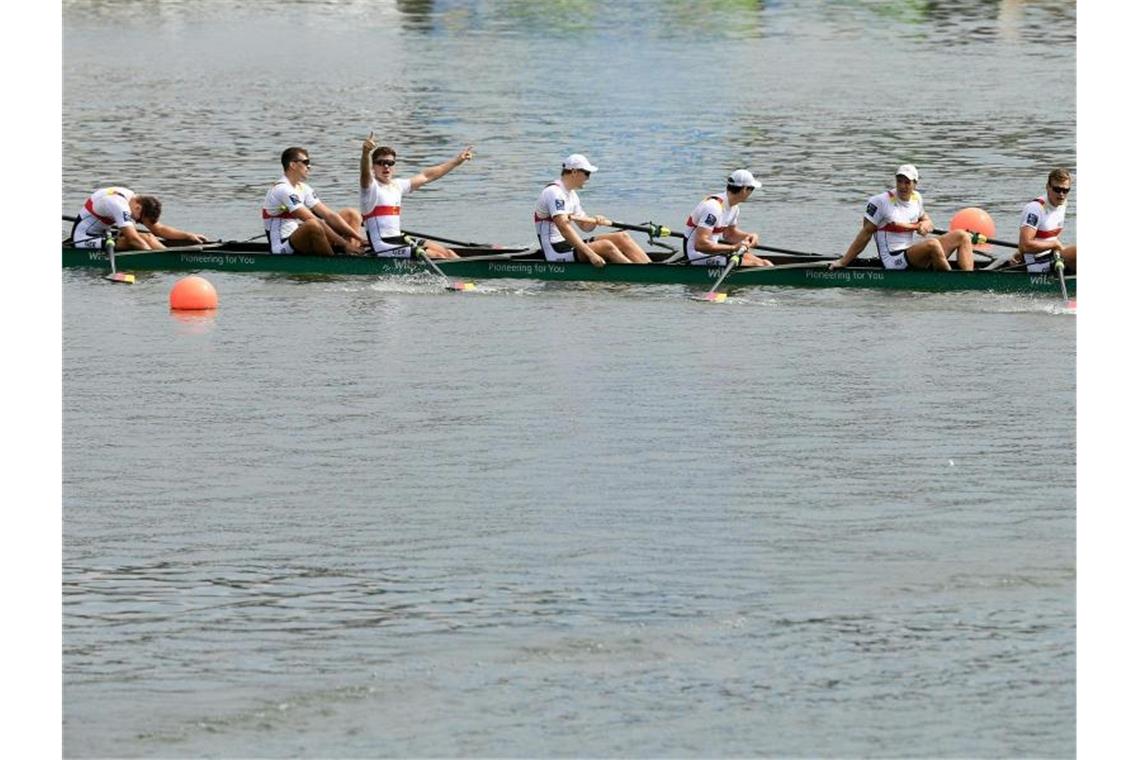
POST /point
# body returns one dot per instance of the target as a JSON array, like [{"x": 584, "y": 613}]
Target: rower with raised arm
[
  {"x": 1042, "y": 220},
  {"x": 381, "y": 194},
  {"x": 296, "y": 221},
  {"x": 117, "y": 210},
  {"x": 711, "y": 232},
  {"x": 558, "y": 205},
  {"x": 896, "y": 219}
]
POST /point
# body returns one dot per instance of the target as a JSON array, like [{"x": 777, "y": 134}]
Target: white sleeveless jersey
[
  {"x": 277, "y": 213},
  {"x": 107, "y": 208},
  {"x": 380, "y": 205},
  {"x": 885, "y": 211},
  {"x": 1047, "y": 221},
  {"x": 555, "y": 199},
  {"x": 715, "y": 215}
]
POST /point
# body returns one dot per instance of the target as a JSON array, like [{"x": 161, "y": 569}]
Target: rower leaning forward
[
  {"x": 116, "y": 211},
  {"x": 896, "y": 219},
  {"x": 558, "y": 205}
]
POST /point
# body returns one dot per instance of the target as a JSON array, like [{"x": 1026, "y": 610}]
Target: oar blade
[
  {"x": 460, "y": 286},
  {"x": 123, "y": 277}
]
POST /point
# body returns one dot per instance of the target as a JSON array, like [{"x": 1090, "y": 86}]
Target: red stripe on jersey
[
  {"x": 383, "y": 211},
  {"x": 1048, "y": 233},
  {"x": 89, "y": 207},
  {"x": 892, "y": 227}
]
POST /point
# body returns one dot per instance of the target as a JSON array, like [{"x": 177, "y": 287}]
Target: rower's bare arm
[
  {"x": 925, "y": 226},
  {"x": 433, "y": 173},
  {"x": 857, "y": 245},
  {"x": 1028, "y": 242},
  {"x": 704, "y": 243},
  {"x": 167, "y": 232},
  {"x": 587, "y": 223},
  {"x": 562, "y": 222},
  {"x": 336, "y": 222},
  {"x": 366, "y": 162},
  {"x": 132, "y": 238}
]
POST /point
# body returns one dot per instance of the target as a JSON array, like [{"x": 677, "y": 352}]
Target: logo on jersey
[
  {"x": 126, "y": 216},
  {"x": 871, "y": 209},
  {"x": 559, "y": 205},
  {"x": 711, "y": 220},
  {"x": 294, "y": 199},
  {"x": 1031, "y": 220}
]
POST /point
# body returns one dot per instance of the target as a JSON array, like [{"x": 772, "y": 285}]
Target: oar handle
[
  {"x": 649, "y": 228},
  {"x": 977, "y": 238}
]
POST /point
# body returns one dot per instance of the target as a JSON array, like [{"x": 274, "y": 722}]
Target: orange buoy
[
  {"x": 975, "y": 220},
  {"x": 193, "y": 293}
]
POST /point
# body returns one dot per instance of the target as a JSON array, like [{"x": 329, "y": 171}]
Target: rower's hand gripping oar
[
  {"x": 733, "y": 263},
  {"x": 421, "y": 253}
]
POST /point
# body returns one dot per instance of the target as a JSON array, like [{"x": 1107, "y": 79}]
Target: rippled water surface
[{"x": 355, "y": 517}]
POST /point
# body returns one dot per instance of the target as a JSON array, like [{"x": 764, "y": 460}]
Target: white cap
[
  {"x": 578, "y": 161},
  {"x": 908, "y": 171},
  {"x": 743, "y": 178}
]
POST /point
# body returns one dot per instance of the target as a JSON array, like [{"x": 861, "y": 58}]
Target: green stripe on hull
[{"x": 235, "y": 259}]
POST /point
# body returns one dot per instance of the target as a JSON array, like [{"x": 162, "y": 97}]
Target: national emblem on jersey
[
  {"x": 1031, "y": 219},
  {"x": 560, "y": 205},
  {"x": 871, "y": 209},
  {"x": 710, "y": 220},
  {"x": 294, "y": 199},
  {"x": 126, "y": 216}
]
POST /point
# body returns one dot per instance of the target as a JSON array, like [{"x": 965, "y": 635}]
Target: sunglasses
[
  {"x": 1060, "y": 190},
  {"x": 304, "y": 161},
  {"x": 585, "y": 172},
  {"x": 384, "y": 162}
]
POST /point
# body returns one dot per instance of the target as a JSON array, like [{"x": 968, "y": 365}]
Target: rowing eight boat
[{"x": 521, "y": 263}]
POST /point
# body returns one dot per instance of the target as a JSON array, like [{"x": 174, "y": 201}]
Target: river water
[{"x": 354, "y": 517}]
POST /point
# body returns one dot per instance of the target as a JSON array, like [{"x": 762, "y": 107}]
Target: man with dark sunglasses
[
  {"x": 558, "y": 205},
  {"x": 297, "y": 222},
  {"x": 1041, "y": 222},
  {"x": 381, "y": 194}
]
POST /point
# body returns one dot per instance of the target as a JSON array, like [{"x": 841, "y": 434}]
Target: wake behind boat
[{"x": 491, "y": 262}]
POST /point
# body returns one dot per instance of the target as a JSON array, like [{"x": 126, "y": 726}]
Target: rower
[
  {"x": 1041, "y": 222},
  {"x": 558, "y": 205},
  {"x": 895, "y": 219},
  {"x": 381, "y": 194},
  {"x": 116, "y": 210},
  {"x": 297, "y": 222},
  {"x": 711, "y": 228}
]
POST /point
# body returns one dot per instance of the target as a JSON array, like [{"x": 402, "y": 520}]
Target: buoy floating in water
[
  {"x": 193, "y": 293},
  {"x": 975, "y": 220}
]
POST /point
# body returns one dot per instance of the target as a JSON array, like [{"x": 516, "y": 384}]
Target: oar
[
  {"x": 649, "y": 228},
  {"x": 977, "y": 238},
  {"x": 456, "y": 285},
  {"x": 491, "y": 257},
  {"x": 449, "y": 241},
  {"x": 796, "y": 265},
  {"x": 712, "y": 295},
  {"x": 115, "y": 276}
]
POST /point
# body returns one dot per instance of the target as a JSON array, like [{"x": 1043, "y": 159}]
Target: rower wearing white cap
[
  {"x": 895, "y": 219},
  {"x": 711, "y": 228},
  {"x": 558, "y": 205}
]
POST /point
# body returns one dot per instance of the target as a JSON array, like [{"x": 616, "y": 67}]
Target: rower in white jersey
[
  {"x": 297, "y": 222},
  {"x": 898, "y": 222},
  {"x": 711, "y": 232},
  {"x": 381, "y": 195},
  {"x": 117, "y": 210},
  {"x": 1042, "y": 220},
  {"x": 558, "y": 205}
]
